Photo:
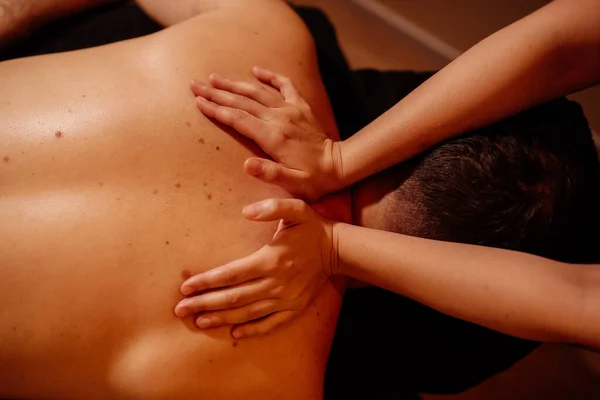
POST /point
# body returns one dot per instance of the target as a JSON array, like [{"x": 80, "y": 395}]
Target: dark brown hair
[{"x": 528, "y": 183}]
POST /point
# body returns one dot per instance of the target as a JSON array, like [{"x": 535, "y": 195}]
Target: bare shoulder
[
  {"x": 230, "y": 41},
  {"x": 271, "y": 23}
]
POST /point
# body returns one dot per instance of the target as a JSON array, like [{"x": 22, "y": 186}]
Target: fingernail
[
  {"x": 187, "y": 290},
  {"x": 238, "y": 334},
  {"x": 252, "y": 211},
  {"x": 204, "y": 323},
  {"x": 254, "y": 167}
]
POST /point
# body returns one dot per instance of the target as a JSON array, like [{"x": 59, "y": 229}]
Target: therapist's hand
[
  {"x": 273, "y": 285},
  {"x": 275, "y": 115}
]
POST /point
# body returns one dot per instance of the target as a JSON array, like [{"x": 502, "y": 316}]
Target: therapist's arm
[
  {"x": 553, "y": 52},
  {"x": 511, "y": 292},
  {"x": 20, "y": 17}
]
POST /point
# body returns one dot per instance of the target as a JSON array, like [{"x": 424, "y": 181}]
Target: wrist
[
  {"x": 334, "y": 265},
  {"x": 332, "y": 172}
]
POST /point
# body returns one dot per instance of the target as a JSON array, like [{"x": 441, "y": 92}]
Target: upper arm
[{"x": 170, "y": 13}]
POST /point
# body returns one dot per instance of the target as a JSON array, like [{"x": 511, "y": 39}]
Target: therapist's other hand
[
  {"x": 275, "y": 115},
  {"x": 273, "y": 285}
]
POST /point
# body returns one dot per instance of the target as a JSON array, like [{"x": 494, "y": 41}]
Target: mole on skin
[
  {"x": 218, "y": 148},
  {"x": 201, "y": 141},
  {"x": 6, "y": 159},
  {"x": 188, "y": 124},
  {"x": 58, "y": 134},
  {"x": 186, "y": 274},
  {"x": 178, "y": 185},
  {"x": 209, "y": 196},
  {"x": 155, "y": 191},
  {"x": 235, "y": 344}
]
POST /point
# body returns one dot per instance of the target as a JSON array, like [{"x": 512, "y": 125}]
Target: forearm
[
  {"x": 552, "y": 52},
  {"x": 19, "y": 17},
  {"x": 515, "y": 293}
]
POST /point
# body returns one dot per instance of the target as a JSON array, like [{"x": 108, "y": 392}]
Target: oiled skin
[{"x": 113, "y": 188}]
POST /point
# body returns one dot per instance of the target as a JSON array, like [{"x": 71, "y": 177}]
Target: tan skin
[
  {"x": 552, "y": 52},
  {"x": 106, "y": 209}
]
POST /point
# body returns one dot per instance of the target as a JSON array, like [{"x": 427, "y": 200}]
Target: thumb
[
  {"x": 290, "y": 210},
  {"x": 274, "y": 173}
]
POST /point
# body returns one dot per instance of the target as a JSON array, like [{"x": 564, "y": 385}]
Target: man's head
[{"x": 528, "y": 183}]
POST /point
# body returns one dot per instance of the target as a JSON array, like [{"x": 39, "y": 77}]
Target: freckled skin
[{"x": 94, "y": 313}]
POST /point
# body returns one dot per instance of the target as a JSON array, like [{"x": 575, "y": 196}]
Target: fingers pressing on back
[
  {"x": 254, "y": 91},
  {"x": 242, "y": 121},
  {"x": 282, "y": 83},
  {"x": 227, "y": 99}
]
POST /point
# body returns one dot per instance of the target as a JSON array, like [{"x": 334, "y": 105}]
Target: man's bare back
[{"x": 110, "y": 196}]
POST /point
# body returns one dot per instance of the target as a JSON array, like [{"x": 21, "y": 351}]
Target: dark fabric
[
  {"x": 94, "y": 28},
  {"x": 386, "y": 346}
]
